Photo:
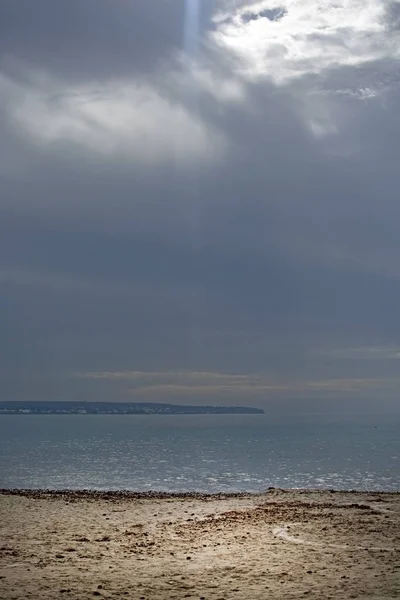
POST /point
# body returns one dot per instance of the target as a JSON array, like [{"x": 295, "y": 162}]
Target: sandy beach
[{"x": 280, "y": 544}]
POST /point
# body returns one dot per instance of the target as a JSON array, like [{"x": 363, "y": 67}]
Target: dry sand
[{"x": 281, "y": 544}]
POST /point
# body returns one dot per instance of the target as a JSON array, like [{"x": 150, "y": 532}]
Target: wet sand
[{"x": 281, "y": 544}]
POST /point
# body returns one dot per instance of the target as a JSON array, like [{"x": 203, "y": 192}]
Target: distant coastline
[{"x": 119, "y": 408}]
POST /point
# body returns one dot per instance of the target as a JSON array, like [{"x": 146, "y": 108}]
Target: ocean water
[{"x": 200, "y": 452}]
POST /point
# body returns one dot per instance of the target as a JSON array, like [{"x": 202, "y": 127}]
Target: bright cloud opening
[{"x": 284, "y": 40}]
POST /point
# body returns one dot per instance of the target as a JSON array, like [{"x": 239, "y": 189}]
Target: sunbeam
[
  {"x": 191, "y": 27},
  {"x": 194, "y": 207}
]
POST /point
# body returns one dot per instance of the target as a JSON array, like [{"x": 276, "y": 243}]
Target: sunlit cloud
[
  {"x": 321, "y": 53},
  {"x": 285, "y": 40},
  {"x": 133, "y": 121}
]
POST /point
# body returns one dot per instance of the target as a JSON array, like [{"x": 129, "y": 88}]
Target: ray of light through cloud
[
  {"x": 191, "y": 27},
  {"x": 192, "y": 181}
]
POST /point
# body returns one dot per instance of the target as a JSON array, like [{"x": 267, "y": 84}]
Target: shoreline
[
  {"x": 281, "y": 543},
  {"x": 126, "y": 494}
]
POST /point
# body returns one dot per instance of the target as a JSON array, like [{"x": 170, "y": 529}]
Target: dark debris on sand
[
  {"x": 118, "y": 495},
  {"x": 76, "y": 495}
]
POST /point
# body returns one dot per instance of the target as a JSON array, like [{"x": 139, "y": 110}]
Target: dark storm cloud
[
  {"x": 197, "y": 217},
  {"x": 91, "y": 39}
]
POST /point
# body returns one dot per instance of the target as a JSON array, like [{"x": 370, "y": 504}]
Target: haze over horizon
[{"x": 199, "y": 202}]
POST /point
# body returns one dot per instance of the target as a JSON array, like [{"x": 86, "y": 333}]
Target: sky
[{"x": 199, "y": 202}]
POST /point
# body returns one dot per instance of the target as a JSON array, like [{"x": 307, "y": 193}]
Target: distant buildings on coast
[{"x": 119, "y": 408}]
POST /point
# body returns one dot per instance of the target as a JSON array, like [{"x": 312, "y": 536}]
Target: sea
[{"x": 203, "y": 453}]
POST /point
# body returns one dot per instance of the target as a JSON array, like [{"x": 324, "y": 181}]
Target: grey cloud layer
[
  {"x": 160, "y": 213},
  {"x": 92, "y": 39}
]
